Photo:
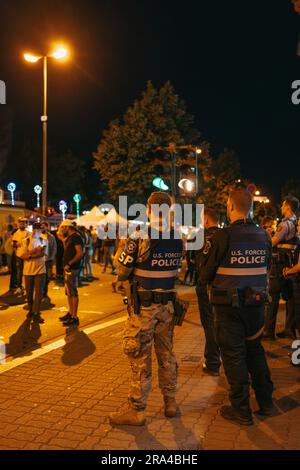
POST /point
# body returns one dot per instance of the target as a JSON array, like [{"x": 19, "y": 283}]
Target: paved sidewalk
[{"x": 61, "y": 400}]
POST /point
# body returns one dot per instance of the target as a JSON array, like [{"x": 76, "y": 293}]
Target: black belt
[{"x": 152, "y": 297}]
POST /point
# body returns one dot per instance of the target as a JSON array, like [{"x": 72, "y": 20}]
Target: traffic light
[
  {"x": 50, "y": 211},
  {"x": 162, "y": 170},
  {"x": 159, "y": 183},
  {"x": 187, "y": 172},
  {"x": 175, "y": 169}
]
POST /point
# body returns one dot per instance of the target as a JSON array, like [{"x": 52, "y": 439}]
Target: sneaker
[
  {"x": 73, "y": 321},
  {"x": 227, "y": 412},
  {"x": 208, "y": 371},
  {"x": 65, "y": 317}
]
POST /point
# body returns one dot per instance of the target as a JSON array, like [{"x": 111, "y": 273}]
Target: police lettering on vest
[
  {"x": 153, "y": 263},
  {"x": 246, "y": 260}
]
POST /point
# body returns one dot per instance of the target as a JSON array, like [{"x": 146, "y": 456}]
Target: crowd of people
[
  {"x": 34, "y": 255},
  {"x": 241, "y": 274}
]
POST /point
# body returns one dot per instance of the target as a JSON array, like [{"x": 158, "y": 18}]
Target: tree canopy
[{"x": 123, "y": 157}]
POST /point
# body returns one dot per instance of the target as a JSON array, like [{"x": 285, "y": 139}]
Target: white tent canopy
[{"x": 93, "y": 218}]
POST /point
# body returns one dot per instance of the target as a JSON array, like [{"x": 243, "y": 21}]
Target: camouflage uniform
[{"x": 154, "y": 323}]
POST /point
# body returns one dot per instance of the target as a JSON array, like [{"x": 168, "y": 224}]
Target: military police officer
[
  {"x": 212, "y": 361},
  {"x": 284, "y": 243},
  {"x": 236, "y": 267},
  {"x": 151, "y": 265}
]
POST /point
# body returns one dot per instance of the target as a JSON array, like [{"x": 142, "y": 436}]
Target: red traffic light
[{"x": 50, "y": 211}]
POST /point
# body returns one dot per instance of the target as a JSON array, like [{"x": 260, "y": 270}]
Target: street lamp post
[
  {"x": 37, "y": 190},
  {"x": 11, "y": 188},
  {"x": 198, "y": 152},
  {"x": 60, "y": 53},
  {"x": 44, "y": 124},
  {"x": 63, "y": 208},
  {"x": 77, "y": 199}
]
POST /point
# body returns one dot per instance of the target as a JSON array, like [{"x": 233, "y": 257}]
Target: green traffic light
[{"x": 159, "y": 183}]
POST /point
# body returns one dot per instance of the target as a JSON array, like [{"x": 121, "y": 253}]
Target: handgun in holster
[{"x": 180, "y": 310}]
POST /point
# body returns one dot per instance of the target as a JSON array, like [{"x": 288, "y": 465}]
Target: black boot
[{"x": 231, "y": 414}]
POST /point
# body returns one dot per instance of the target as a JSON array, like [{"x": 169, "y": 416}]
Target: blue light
[{"x": 12, "y": 187}]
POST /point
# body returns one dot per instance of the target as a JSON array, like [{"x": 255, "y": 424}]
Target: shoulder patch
[{"x": 131, "y": 246}]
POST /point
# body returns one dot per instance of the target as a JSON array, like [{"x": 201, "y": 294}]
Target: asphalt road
[{"x": 97, "y": 304}]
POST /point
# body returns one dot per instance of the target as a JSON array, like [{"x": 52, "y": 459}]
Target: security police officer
[
  {"x": 151, "y": 265},
  {"x": 236, "y": 267},
  {"x": 212, "y": 361},
  {"x": 284, "y": 243}
]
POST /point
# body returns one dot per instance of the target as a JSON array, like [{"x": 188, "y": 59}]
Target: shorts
[{"x": 71, "y": 282}]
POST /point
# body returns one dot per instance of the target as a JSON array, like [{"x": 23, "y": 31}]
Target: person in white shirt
[
  {"x": 34, "y": 252},
  {"x": 17, "y": 240},
  {"x": 51, "y": 254}
]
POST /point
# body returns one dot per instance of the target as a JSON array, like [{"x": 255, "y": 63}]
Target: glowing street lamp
[
  {"x": 11, "y": 188},
  {"x": 32, "y": 58},
  {"x": 63, "y": 208},
  {"x": 37, "y": 190},
  {"x": 77, "y": 199},
  {"x": 59, "y": 53}
]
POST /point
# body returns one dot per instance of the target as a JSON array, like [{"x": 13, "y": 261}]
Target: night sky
[{"x": 232, "y": 61}]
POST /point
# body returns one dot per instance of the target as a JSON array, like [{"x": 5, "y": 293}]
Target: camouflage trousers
[{"x": 153, "y": 325}]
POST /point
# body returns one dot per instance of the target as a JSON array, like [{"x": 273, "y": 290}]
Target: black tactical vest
[
  {"x": 246, "y": 260},
  {"x": 158, "y": 269}
]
